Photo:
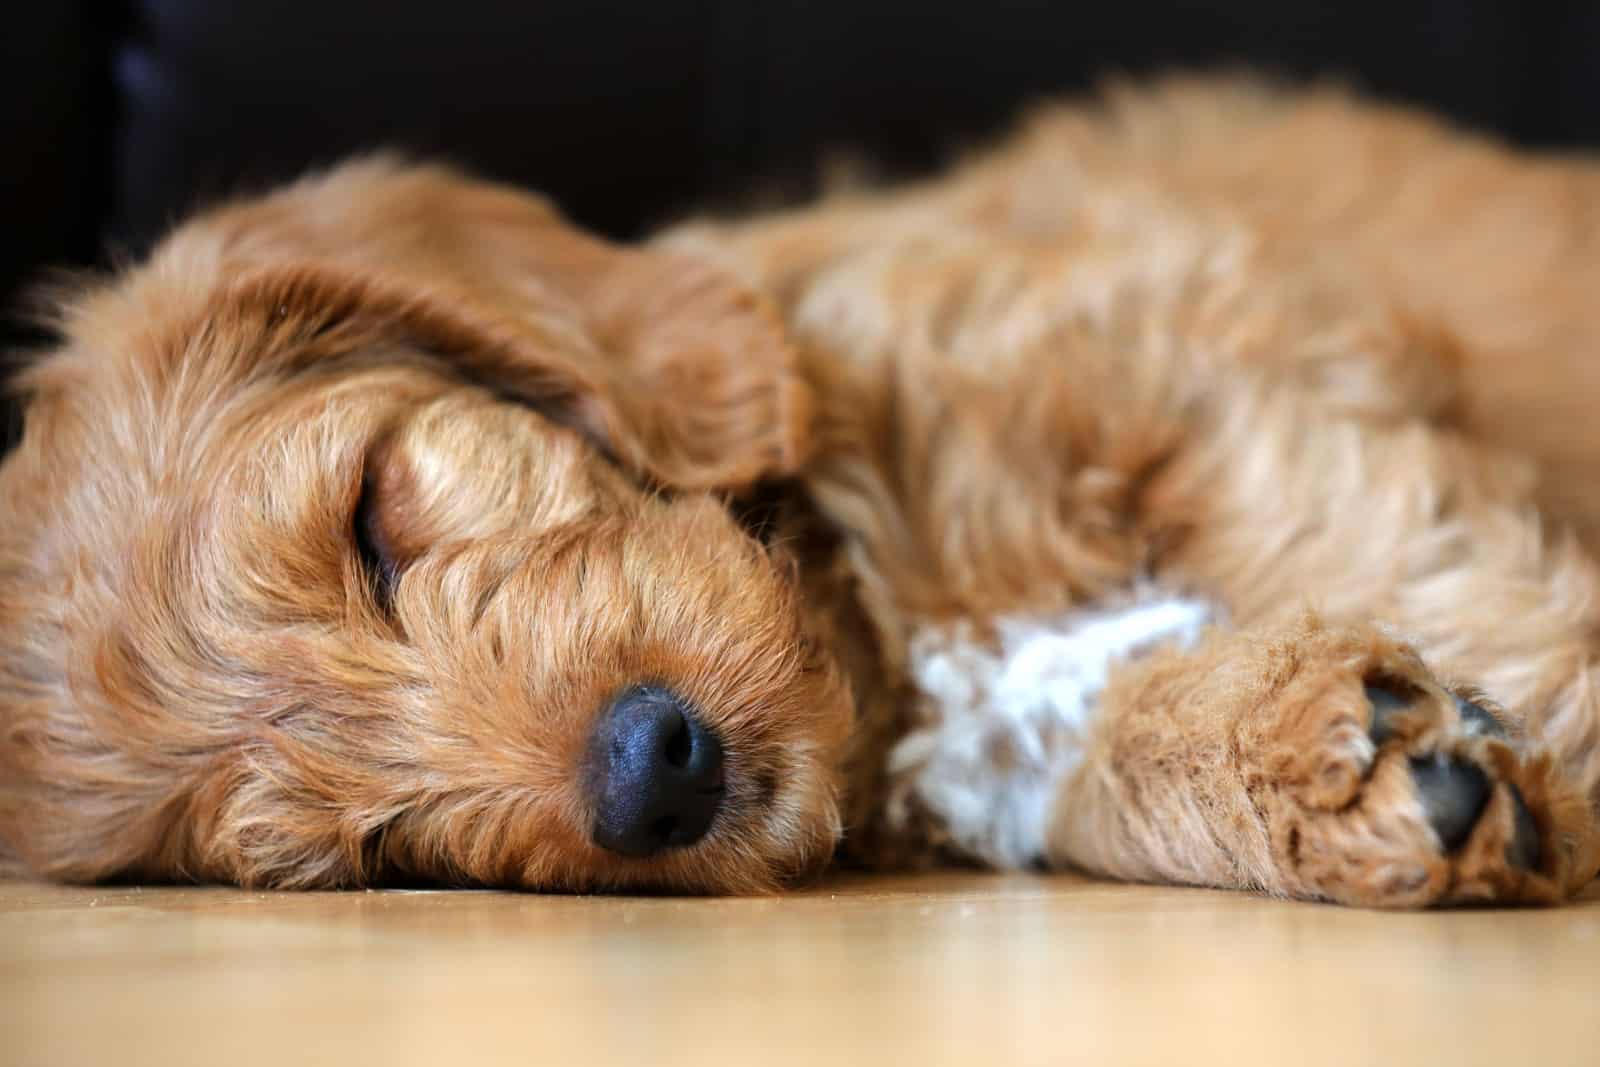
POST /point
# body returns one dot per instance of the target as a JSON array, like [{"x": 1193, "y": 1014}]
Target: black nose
[{"x": 655, "y": 773}]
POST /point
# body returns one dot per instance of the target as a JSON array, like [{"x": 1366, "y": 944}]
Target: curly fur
[{"x": 1266, "y": 351}]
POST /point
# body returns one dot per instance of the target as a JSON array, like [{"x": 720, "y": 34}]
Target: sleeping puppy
[{"x": 1195, "y": 489}]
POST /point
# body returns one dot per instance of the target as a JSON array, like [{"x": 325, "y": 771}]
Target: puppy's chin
[{"x": 759, "y": 844}]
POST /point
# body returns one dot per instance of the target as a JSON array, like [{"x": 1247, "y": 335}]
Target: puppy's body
[{"x": 1191, "y": 490}]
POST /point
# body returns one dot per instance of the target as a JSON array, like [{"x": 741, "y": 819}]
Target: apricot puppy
[{"x": 1197, "y": 488}]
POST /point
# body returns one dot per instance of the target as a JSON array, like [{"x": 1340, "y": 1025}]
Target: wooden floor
[{"x": 960, "y": 969}]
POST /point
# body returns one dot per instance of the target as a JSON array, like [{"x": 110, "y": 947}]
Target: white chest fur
[{"x": 1001, "y": 722}]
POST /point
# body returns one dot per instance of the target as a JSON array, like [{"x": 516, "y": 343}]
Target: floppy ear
[
  {"x": 681, "y": 372},
  {"x": 709, "y": 387}
]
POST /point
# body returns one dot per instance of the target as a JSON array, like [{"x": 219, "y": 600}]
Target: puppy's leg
[{"x": 1322, "y": 762}]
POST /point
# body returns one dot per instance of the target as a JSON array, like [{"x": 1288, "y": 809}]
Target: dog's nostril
[
  {"x": 655, "y": 772},
  {"x": 680, "y": 746}
]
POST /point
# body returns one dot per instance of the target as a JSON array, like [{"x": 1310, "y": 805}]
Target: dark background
[{"x": 117, "y": 117}]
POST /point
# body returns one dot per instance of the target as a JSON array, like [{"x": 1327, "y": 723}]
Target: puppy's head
[{"x": 377, "y": 529}]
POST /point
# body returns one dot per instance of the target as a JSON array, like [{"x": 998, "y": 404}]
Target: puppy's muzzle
[{"x": 655, "y": 774}]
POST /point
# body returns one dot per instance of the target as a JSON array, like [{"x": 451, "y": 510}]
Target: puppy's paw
[{"x": 1412, "y": 796}]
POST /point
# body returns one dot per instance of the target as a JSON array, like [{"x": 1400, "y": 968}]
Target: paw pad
[
  {"x": 1523, "y": 851},
  {"x": 1389, "y": 699},
  {"x": 1476, "y": 721},
  {"x": 1453, "y": 791}
]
